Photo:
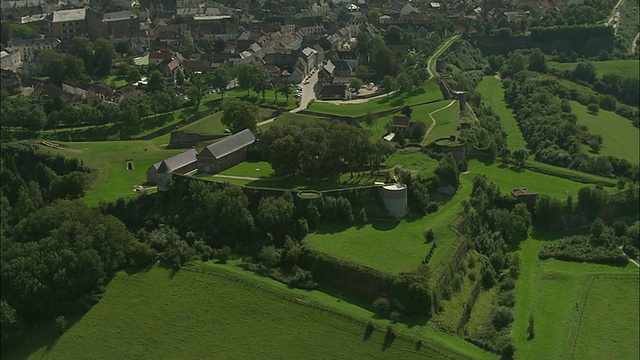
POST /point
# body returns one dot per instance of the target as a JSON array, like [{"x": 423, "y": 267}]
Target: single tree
[{"x": 239, "y": 115}]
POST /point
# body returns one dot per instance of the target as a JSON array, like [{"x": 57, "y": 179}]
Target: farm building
[
  {"x": 400, "y": 124},
  {"x": 181, "y": 164},
  {"x": 226, "y": 153},
  {"x": 525, "y": 195}
]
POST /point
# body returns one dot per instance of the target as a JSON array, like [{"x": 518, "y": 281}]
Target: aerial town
[{"x": 320, "y": 179}]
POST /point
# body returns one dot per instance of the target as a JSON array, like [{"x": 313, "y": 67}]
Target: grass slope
[
  {"x": 549, "y": 290},
  {"x": 162, "y": 313},
  {"x": 419, "y": 114},
  {"x": 257, "y": 169},
  {"x": 620, "y": 137},
  {"x": 447, "y": 122},
  {"x": 630, "y": 68},
  {"x": 108, "y": 157},
  {"x": 493, "y": 95}
]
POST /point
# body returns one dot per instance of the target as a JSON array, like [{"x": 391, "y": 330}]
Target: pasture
[
  {"x": 108, "y": 157},
  {"x": 626, "y": 68},
  {"x": 493, "y": 96},
  {"x": 428, "y": 92},
  {"x": 620, "y": 137},
  {"x": 163, "y": 313},
  {"x": 608, "y": 327},
  {"x": 549, "y": 290}
]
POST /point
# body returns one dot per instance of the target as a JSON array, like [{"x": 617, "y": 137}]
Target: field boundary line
[{"x": 581, "y": 305}]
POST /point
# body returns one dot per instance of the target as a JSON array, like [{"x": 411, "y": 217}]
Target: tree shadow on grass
[
  {"x": 367, "y": 333},
  {"x": 384, "y": 225},
  {"x": 389, "y": 338},
  {"x": 43, "y": 336}
]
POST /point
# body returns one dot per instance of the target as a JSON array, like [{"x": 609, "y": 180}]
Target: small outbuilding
[
  {"x": 525, "y": 195},
  {"x": 400, "y": 124},
  {"x": 226, "y": 153},
  {"x": 180, "y": 164}
]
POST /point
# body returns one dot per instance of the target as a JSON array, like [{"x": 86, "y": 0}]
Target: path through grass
[{"x": 493, "y": 95}]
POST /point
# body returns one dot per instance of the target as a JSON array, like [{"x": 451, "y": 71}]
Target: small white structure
[{"x": 394, "y": 197}]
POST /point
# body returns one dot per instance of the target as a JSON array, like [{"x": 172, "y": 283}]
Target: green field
[
  {"x": 217, "y": 313},
  {"x": 626, "y": 68},
  {"x": 108, "y": 157},
  {"x": 429, "y": 92},
  {"x": 620, "y": 137},
  {"x": 493, "y": 95},
  {"x": 609, "y": 324},
  {"x": 549, "y": 290}
]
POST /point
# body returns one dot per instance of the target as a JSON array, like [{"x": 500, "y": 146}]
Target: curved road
[{"x": 433, "y": 122}]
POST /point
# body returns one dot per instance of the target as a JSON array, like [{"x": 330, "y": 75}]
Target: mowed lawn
[
  {"x": 626, "y": 68},
  {"x": 550, "y": 289},
  {"x": 620, "y": 138},
  {"x": 164, "y": 314},
  {"x": 294, "y": 119},
  {"x": 108, "y": 157},
  {"x": 256, "y": 169},
  {"x": 493, "y": 95},
  {"x": 609, "y": 326},
  {"x": 429, "y": 92}
]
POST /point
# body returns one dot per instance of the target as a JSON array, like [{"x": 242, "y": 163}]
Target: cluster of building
[{"x": 214, "y": 158}]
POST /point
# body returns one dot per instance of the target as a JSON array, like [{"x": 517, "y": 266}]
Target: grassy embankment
[
  {"x": 226, "y": 312},
  {"x": 626, "y": 68}
]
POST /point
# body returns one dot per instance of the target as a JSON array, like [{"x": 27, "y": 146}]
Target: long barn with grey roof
[
  {"x": 180, "y": 164},
  {"x": 226, "y": 153}
]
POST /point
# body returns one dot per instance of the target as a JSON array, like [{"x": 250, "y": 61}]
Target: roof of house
[
  {"x": 68, "y": 15},
  {"x": 332, "y": 90},
  {"x": 175, "y": 162},
  {"x": 401, "y": 121},
  {"x": 232, "y": 144},
  {"x": 523, "y": 192},
  {"x": 118, "y": 15}
]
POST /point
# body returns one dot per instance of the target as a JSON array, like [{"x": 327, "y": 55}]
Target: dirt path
[
  {"x": 615, "y": 16},
  {"x": 634, "y": 43},
  {"x": 630, "y": 259},
  {"x": 433, "y": 122},
  {"x": 237, "y": 177}
]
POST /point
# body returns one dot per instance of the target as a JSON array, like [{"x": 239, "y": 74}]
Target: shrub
[
  {"x": 429, "y": 235},
  {"x": 472, "y": 276},
  {"x": 502, "y": 317},
  {"x": 61, "y": 324},
  {"x": 391, "y": 333},
  {"x": 530, "y": 328},
  {"x": 507, "y": 298},
  {"x": 302, "y": 279},
  {"x": 381, "y": 306},
  {"x": 432, "y": 207},
  {"x": 507, "y": 284},
  {"x": 394, "y": 316}
]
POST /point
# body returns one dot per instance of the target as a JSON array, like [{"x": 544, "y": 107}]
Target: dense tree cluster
[
  {"x": 321, "y": 151},
  {"x": 56, "y": 260},
  {"x": 551, "y": 130},
  {"x": 600, "y": 246}
]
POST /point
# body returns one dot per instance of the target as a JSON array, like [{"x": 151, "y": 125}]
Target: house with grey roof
[
  {"x": 161, "y": 171},
  {"x": 226, "y": 153}
]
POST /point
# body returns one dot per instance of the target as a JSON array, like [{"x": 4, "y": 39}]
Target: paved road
[{"x": 307, "y": 92}]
